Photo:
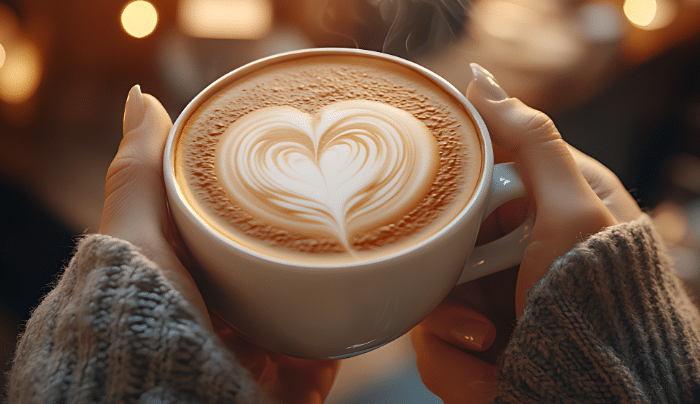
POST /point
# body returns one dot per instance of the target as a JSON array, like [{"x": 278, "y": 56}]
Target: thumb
[
  {"x": 136, "y": 207},
  {"x": 567, "y": 210},
  {"x": 135, "y": 199}
]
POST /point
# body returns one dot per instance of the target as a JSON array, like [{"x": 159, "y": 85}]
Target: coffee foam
[
  {"x": 308, "y": 86},
  {"x": 353, "y": 166}
]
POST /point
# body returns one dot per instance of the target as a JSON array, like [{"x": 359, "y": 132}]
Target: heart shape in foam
[{"x": 352, "y": 167}]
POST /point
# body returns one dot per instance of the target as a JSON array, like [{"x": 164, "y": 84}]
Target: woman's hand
[
  {"x": 136, "y": 210},
  {"x": 572, "y": 197}
]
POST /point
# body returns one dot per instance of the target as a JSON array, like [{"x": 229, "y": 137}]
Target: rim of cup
[{"x": 173, "y": 189}]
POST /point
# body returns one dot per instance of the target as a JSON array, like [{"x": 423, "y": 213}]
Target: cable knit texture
[
  {"x": 609, "y": 323},
  {"x": 114, "y": 331}
]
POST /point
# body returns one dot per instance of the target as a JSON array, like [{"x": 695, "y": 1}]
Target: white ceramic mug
[{"x": 338, "y": 311}]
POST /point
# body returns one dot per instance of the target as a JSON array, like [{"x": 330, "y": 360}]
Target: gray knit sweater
[{"x": 610, "y": 323}]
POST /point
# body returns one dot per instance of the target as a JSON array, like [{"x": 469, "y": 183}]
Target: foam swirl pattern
[{"x": 352, "y": 167}]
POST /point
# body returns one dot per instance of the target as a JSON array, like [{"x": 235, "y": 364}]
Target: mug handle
[{"x": 508, "y": 250}]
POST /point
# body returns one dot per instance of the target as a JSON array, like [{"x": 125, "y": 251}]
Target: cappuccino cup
[{"x": 331, "y": 198}]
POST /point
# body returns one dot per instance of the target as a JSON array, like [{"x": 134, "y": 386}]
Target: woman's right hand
[{"x": 572, "y": 196}]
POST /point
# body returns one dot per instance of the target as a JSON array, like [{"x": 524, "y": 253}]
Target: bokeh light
[
  {"x": 640, "y": 12},
  {"x": 226, "y": 19},
  {"x": 666, "y": 11},
  {"x": 20, "y": 75},
  {"x": 139, "y": 18},
  {"x": 506, "y": 20},
  {"x": 670, "y": 222}
]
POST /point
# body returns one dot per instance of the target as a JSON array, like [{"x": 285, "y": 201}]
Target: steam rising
[
  {"x": 406, "y": 28},
  {"x": 418, "y": 27}
]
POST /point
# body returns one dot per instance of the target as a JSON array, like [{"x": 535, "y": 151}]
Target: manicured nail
[
  {"x": 486, "y": 84},
  {"x": 473, "y": 335},
  {"x": 134, "y": 111}
]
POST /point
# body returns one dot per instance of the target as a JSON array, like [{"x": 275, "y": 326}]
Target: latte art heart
[{"x": 351, "y": 167}]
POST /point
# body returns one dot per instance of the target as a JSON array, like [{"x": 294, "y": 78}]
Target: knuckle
[
  {"x": 540, "y": 131},
  {"x": 126, "y": 171},
  {"x": 121, "y": 171},
  {"x": 130, "y": 163},
  {"x": 587, "y": 219}
]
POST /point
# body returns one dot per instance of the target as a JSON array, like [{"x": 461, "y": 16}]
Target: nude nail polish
[
  {"x": 486, "y": 84},
  {"x": 473, "y": 335},
  {"x": 134, "y": 111}
]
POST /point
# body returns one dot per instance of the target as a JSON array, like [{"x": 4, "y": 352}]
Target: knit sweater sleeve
[
  {"x": 609, "y": 323},
  {"x": 113, "y": 330}
]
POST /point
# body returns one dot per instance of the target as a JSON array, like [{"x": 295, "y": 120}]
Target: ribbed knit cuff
[
  {"x": 610, "y": 322},
  {"x": 114, "y": 330}
]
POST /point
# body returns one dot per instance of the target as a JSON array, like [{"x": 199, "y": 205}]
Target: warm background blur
[{"x": 621, "y": 78}]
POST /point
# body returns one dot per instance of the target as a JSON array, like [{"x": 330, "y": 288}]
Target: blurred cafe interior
[{"x": 620, "y": 78}]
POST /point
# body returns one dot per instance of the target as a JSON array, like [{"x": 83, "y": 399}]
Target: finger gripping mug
[{"x": 332, "y": 198}]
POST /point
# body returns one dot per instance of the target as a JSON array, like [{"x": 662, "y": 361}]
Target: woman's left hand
[
  {"x": 136, "y": 210},
  {"x": 573, "y": 196}
]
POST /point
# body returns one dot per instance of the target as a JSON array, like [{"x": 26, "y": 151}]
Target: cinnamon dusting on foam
[{"x": 309, "y": 85}]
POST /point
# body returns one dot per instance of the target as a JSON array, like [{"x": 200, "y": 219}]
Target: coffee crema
[{"x": 329, "y": 159}]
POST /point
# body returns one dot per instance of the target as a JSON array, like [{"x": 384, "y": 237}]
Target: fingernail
[
  {"x": 473, "y": 335},
  {"x": 486, "y": 84},
  {"x": 134, "y": 111}
]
